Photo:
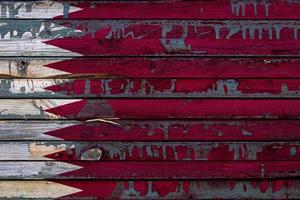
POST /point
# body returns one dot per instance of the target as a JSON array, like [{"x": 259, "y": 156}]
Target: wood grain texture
[
  {"x": 152, "y": 189},
  {"x": 149, "y": 151},
  {"x": 41, "y": 9},
  {"x": 139, "y": 130},
  {"x": 110, "y": 109},
  {"x": 238, "y": 9},
  {"x": 115, "y": 170},
  {"x": 149, "y": 88},
  {"x": 143, "y": 67},
  {"x": 149, "y": 99},
  {"x": 149, "y": 38},
  {"x": 35, "y": 190}
]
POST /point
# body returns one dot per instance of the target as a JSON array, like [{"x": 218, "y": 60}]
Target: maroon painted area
[
  {"x": 180, "y": 151},
  {"x": 161, "y": 189},
  {"x": 184, "y": 170},
  {"x": 226, "y": 166},
  {"x": 187, "y": 10},
  {"x": 184, "y": 38},
  {"x": 181, "y": 130},
  {"x": 180, "y": 109},
  {"x": 177, "y": 67},
  {"x": 178, "y": 87}
]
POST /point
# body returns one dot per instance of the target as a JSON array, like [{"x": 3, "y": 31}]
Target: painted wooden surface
[
  {"x": 149, "y": 99},
  {"x": 144, "y": 67},
  {"x": 149, "y": 151},
  {"x": 141, "y": 130},
  {"x": 149, "y": 38},
  {"x": 153, "y": 189},
  {"x": 225, "y": 9},
  {"x": 116, "y": 170},
  {"x": 111, "y": 109},
  {"x": 149, "y": 88}
]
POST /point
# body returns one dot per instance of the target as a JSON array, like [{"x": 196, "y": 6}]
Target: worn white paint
[
  {"x": 34, "y": 68},
  {"x": 28, "y": 86},
  {"x": 34, "y": 170},
  {"x": 40, "y": 9},
  {"x": 31, "y": 130},
  {"x": 10, "y": 108},
  {"x": 34, "y": 189},
  {"x": 28, "y": 151},
  {"x": 31, "y": 47}
]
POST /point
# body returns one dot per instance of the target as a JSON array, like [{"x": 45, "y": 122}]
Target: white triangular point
[
  {"x": 35, "y": 189},
  {"x": 40, "y": 10},
  {"x": 29, "y": 150},
  {"x": 28, "y": 87},
  {"x": 27, "y": 108},
  {"x": 31, "y": 42},
  {"x": 31, "y": 47},
  {"x": 32, "y": 68},
  {"x": 34, "y": 169},
  {"x": 31, "y": 130}
]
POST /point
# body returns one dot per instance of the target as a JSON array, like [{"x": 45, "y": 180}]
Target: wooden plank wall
[{"x": 150, "y": 99}]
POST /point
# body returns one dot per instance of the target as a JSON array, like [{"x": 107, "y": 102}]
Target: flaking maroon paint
[
  {"x": 181, "y": 99},
  {"x": 182, "y": 67},
  {"x": 202, "y": 9},
  {"x": 180, "y": 109}
]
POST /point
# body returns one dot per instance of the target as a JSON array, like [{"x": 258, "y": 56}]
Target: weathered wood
[
  {"x": 116, "y": 170},
  {"x": 147, "y": 151},
  {"x": 43, "y": 190},
  {"x": 31, "y": 108},
  {"x": 151, "y": 189},
  {"x": 149, "y": 38},
  {"x": 35, "y": 9},
  {"x": 213, "y": 9},
  {"x": 149, "y": 88},
  {"x": 110, "y": 109},
  {"x": 34, "y": 130},
  {"x": 170, "y": 67},
  {"x": 34, "y": 170},
  {"x": 28, "y": 68},
  {"x": 122, "y": 130}
]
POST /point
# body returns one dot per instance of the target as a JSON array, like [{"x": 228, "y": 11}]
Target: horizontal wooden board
[
  {"x": 152, "y": 189},
  {"x": 35, "y": 9},
  {"x": 147, "y": 151},
  {"x": 144, "y": 67},
  {"x": 111, "y": 109},
  {"x": 122, "y": 130},
  {"x": 280, "y": 9},
  {"x": 149, "y": 38},
  {"x": 149, "y": 88},
  {"x": 116, "y": 170}
]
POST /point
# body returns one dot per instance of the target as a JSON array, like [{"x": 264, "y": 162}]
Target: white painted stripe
[
  {"x": 31, "y": 107},
  {"x": 29, "y": 151},
  {"x": 34, "y": 189},
  {"x": 33, "y": 68},
  {"x": 34, "y": 170},
  {"x": 28, "y": 86},
  {"x": 31, "y": 130},
  {"x": 31, "y": 47},
  {"x": 39, "y": 9}
]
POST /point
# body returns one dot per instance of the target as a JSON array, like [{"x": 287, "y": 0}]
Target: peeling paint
[
  {"x": 238, "y": 7},
  {"x": 206, "y": 190}
]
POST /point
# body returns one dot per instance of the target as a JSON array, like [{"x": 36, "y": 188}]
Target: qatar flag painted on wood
[
  {"x": 149, "y": 99},
  {"x": 110, "y": 109},
  {"x": 150, "y": 67},
  {"x": 183, "y": 37},
  {"x": 149, "y": 38},
  {"x": 152, "y": 189},
  {"x": 213, "y": 9}
]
